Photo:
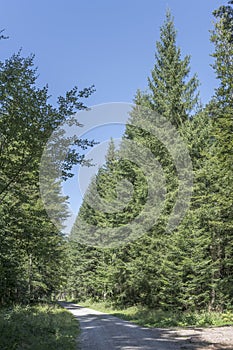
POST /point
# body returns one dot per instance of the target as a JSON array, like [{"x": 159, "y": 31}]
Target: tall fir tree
[
  {"x": 171, "y": 92},
  {"x": 139, "y": 270},
  {"x": 174, "y": 96}
]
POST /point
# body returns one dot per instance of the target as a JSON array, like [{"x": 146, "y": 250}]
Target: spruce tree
[
  {"x": 171, "y": 92},
  {"x": 173, "y": 95}
]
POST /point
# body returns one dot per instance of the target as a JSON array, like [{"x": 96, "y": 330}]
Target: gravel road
[{"x": 101, "y": 331}]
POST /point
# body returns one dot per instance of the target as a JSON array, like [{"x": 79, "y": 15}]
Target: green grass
[
  {"x": 159, "y": 318},
  {"x": 40, "y": 327}
]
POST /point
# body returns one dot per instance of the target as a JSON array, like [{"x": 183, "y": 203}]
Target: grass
[
  {"x": 158, "y": 318},
  {"x": 40, "y": 327}
]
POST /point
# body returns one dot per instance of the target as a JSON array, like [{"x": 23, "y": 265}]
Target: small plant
[{"x": 228, "y": 317}]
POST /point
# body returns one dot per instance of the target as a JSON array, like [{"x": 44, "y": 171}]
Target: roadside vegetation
[
  {"x": 160, "y": 318},
  {"x": 40, "y": 327}
]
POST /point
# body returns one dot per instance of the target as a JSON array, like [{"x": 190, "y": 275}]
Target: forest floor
[{"x": 101, "y": 331}]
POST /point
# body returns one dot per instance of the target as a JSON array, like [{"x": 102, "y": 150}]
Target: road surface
[{"x": 101, "y": 331}]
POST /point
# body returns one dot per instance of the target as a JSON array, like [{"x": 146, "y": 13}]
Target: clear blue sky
[
  {"x": 110, "y": 44},
  {"x": 107, "y": 43}
]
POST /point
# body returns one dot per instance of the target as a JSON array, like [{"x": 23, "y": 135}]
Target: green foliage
[
  {"x": 38, "y": 327},
  {"x": 215, "y": 202},
  {"x": 32, "y": 248},
  {"x": 171, "y": 94},
  {"x": 170, "y": 276},
  {"x": 148, "y": 317}
]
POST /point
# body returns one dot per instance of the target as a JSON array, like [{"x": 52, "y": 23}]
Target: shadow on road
[{"x": 106, "y": 332}]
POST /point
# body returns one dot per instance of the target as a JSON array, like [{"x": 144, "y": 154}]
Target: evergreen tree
[
  {"x": 170, "y": 93},
  {"x": 110, "y": 203},
  {"x": 217, "y": 202},
  {"x": 138, "y": 271},
  {"x": 174, "y": 97}
]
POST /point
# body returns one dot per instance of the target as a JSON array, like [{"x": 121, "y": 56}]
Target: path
[{"x": 101, "y": 331}]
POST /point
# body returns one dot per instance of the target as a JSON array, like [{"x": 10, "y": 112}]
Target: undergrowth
[
  {"x": 40, "y": 327},
  {"x": 159, "y": 318}
]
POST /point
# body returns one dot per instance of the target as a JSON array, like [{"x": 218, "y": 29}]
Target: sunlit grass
[
  {"x": 40, "y": 327},
  {"x": 159, "y": 318}
]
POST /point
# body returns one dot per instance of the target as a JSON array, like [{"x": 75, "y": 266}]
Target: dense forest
[{"x": 189, "y": 267}]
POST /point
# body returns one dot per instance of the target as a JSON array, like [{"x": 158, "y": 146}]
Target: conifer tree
[
  {"x": 173, "y": 96},
  {"x": 217, "y": 202},
  {"x": 171, "y": 92}
]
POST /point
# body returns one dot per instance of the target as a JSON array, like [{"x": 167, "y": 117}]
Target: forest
[{"x": 188, "y": 268}]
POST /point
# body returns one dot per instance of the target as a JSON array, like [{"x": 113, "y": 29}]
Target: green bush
[{"x": 41, "y": 327}]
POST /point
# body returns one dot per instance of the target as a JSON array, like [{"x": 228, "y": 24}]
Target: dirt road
[{"x": 100, "y": 331}]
